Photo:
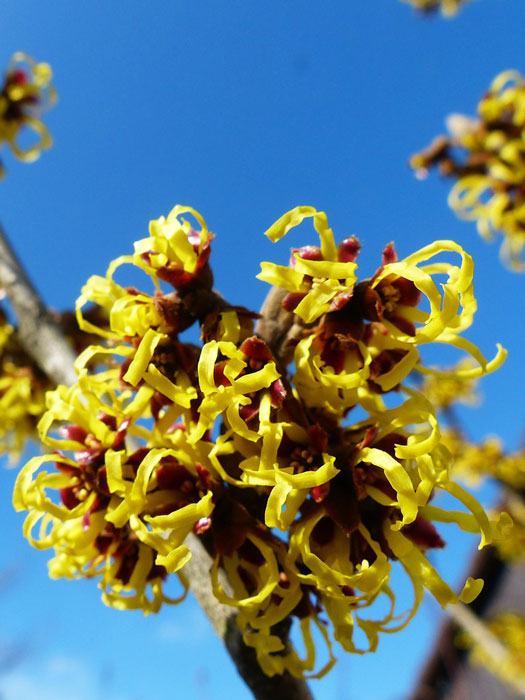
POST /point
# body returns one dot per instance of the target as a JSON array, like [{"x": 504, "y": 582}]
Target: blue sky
[{"x": 241, "y": 109}]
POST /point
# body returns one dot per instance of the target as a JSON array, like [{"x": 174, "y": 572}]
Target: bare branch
[{"x": 39, "y": 334}]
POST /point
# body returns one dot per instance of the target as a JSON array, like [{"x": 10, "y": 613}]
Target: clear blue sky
[{"x": 242, "y": 109}]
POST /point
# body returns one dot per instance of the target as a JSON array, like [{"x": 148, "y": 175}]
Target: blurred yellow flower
[
  {"x": 486, "y": 157},
  {"x": 25, "y": 94},
  {"x": 447, "y": 7}
]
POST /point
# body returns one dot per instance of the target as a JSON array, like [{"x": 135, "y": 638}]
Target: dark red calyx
[
  {"x": 104, "y": 541},
  {"x": 219, "y": 377},
  {"x": 172, "y": 475},
  {"x": 348, "y": 249},
  {"x": 292, "y": 300},
  {"x": 319, "y": 493},
  {"x": 120, "y": 435},
  {"x": 319, "y": 438},
  {"x": 423, "y": 533},
  {"x": 306, "y": 252},
  {"x": 204, "y": 476},
  {"x": 369, "y": 302},
  {"x": 389, "y": 254},
  {"x": 249, "y": 412},
  {"x": 385, "y": 361},
  {"x": 255, "y": 348},
  {"x": 18, "y": 77},
  {"x": 136, "y": 457},
  {"x": 107, "y": 419},
  {"x": 277, "y": 393},
  {"x": 74, "y": 432},
  {"x": 341, "y": 300},
  {"x": 69, "y": 498},
  {"x": 409, "y": 294},
  {"x": 368, "y": 438}
]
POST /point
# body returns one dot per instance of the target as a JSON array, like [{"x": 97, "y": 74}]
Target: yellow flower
[
  {"x": 25, "y": 94},
  {"x": 368, "y": 333},
  {"x": 121, "y": 515},
  {"x": 475, "y": 461},
  {"x": 230, "y": 379},
  {"x": 449, "y": 386},
  {"x": 317, "y": 276},
  {"x": 22, "y": 402},
  {"x": 490, "y": 167},
  {"x": 22, "y": 393},
  {"x": 175, "y": 251},
  {"x": 510, "y": 541},
  {"x": 448, "y": 7}
]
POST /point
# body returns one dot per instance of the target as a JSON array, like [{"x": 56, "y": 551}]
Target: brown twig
[{"x": 44, "y": 341}]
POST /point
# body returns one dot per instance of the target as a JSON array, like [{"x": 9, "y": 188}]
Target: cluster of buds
[
  {"x": 509, "y": 630},
  {"x": 25, "y": 94},
  {"x": 447, "y": 7},
  {"x": 251, "y": 443},
  {"x": 486, "y": 158}
]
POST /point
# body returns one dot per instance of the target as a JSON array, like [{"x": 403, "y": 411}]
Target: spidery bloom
[
  {"x": 510, "y": 544},
  {"x": 486, "y": 459},
  {"x": 447, "y": 7},
  {"x": 26, "y": 93},
  {"x": 485, "y": 156},
  {"x": 22, "y": 392},
  {"x": 305, "y": 509},
  {"x": 448, "y": 388}
]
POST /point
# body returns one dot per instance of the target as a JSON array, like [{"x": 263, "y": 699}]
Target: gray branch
[
  {"x": 39, "y": 334},
  {"x": 44, "y": 341}
]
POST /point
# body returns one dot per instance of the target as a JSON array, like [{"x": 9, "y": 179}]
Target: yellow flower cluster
[
  {"x": 486, "y": 157},
  {"x": 448, "y": 7},
  {"x": 22, "y": 392},
  {"x": 474, "y": 461},
  {"x": 25, "y": 94},
  {"x": 23, "y": 385},
  {"x": 510, "y": 543},
  {"x": 304, "y": 510},
  {"x": 451, "y": 387},
  {"x": 509, "y": 629}
]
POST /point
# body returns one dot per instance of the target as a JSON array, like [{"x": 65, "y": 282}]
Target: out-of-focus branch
[
  {"x": 446, "y": 659},
  {"x": 44, "y": 341},
  {"x": 39, "y": 334}
]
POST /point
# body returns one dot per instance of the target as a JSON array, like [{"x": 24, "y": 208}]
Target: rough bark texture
[{"x": 44, "y": 341}]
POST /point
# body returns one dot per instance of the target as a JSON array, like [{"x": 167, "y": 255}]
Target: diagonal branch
[
  {"x": 39, "y": 334},
  {"x": 44, "y": 341}
]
